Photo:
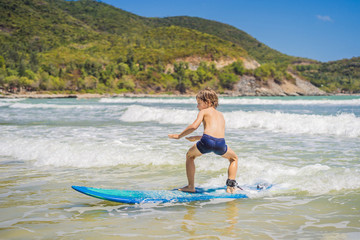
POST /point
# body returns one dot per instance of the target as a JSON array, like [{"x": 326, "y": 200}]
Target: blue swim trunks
[{"x": 211, "y": 144}]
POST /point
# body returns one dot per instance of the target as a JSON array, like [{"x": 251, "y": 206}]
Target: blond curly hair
[{"x": 208, "y": 96}]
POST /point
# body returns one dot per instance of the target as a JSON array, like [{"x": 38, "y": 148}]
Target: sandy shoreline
[
  {"x": 89, "y": 95},
  {"x": 108, "y": 95}
]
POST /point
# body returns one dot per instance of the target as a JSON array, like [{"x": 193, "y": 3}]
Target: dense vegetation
[
  {"x": 90, "y": 46},
  {"x": 256, "y": 49},
  {"x": 335, "y": 76}
]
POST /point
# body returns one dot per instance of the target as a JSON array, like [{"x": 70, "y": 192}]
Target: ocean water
[{"x": 307, "y": 147}]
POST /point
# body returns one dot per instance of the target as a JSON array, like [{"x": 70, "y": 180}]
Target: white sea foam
[
  {"x": 341, "y": 125},
  {"x": 149, "y": 100},
  {"x": 45, "y": 152},
  {"x": 15, "y": 103},
  {"x": 51, "y": 106},
  {"x": 136, "y": 113},
  {"x": 11, "y": 99},
  {"x": 315, "y": 179},
  {"x": 4, "y": 104},
  {"x": 264, "y": 101},
  {"x": 236, "y": 101}
]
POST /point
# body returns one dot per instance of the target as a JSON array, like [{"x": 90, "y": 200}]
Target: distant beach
[
  {"x": 131, "y": 95},
  {"x": 88, "y": 95}
]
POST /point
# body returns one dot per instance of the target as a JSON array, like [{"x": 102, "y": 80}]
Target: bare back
[{"x": 214, "y": 123}]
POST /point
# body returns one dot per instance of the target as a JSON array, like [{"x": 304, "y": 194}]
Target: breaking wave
[
  {"x": 57, "y": 153},
  {"x": 236, "y": 101},
  {"x": 345, "y": 124}
]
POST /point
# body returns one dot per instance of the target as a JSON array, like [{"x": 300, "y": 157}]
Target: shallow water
[{"x": 307, "y": 147}]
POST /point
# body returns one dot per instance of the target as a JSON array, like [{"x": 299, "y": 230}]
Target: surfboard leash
[{"x": 232, "y": 183}]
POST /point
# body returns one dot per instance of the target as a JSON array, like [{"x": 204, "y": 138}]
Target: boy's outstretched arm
[{"x": 189, "y": 129}]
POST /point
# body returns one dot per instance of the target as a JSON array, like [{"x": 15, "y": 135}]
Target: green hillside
[
  {"x": 103, "y": 17},
  {"x": 109, "y": 19},
  {"x": 90, "y": 46},
  {"x": 334, "y": 76},
  {"x": 256, "y": 49},
  {"x": 31, "y": 27}
]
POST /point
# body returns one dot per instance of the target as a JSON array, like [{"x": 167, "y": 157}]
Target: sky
[{"x": 324, "y": 30}]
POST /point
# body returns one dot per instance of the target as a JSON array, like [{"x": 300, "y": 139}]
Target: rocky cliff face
[
  {"x": 249, "y": 86},
  {"x": 194, "y": 62}
]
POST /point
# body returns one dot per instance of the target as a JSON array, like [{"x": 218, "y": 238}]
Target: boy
[{"x": 211, "y": 141}]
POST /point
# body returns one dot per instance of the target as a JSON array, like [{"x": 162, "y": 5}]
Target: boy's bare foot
[
  {"x": 187, "y": 189},
  {"x": 231, "y": 190}
]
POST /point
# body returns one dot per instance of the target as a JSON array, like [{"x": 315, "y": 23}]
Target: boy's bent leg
[
  {"x": 190, "y": 168},
  {"x": 233, "y": 158}
]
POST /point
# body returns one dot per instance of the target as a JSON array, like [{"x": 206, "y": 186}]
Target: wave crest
[
  {"x": 347, "y": 125},
  {"x": 235, "y": 101}
]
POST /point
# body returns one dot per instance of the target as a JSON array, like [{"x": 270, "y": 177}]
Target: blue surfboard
[{"x": 162, "y": 196}]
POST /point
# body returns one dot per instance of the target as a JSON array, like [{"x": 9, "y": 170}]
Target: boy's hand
[
  {"x": 174, "y": 136},
  {"x": 193, "y": 138}
]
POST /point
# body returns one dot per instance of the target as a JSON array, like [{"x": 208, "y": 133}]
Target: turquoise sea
[{"x": 307, "y": 147}]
